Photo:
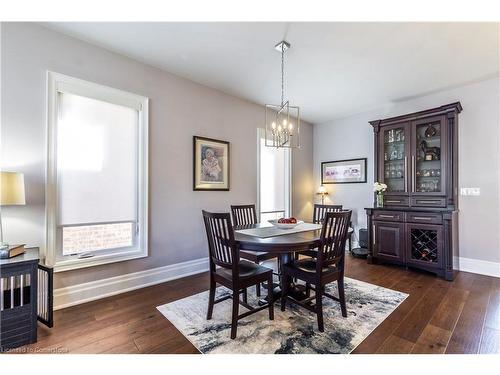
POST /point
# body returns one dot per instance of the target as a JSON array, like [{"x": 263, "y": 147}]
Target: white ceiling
[{"x": 332, "y": 69}]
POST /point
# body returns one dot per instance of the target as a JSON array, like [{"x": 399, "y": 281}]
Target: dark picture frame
[
  {"x": 344, "y": 171},
  {"x": 211, "y": 164}
]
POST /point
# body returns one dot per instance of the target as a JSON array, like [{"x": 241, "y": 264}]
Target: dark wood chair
[
  {"x": 247, "y": 215},
  {"x": 319, "y": 213},
  {"x": 326, "y": 268},
  {"x": 228, "y": 270}
]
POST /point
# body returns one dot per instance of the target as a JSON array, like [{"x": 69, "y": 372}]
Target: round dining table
[{"x": 284, "y": 246}]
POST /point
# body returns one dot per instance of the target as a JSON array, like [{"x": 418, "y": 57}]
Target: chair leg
[
  {"x": 285, "y": 281},
  {"x": 319, "y": 308},
  {"x": 257, "y": 286},
  {"x": 211, "y": 299},
  {"x": 278, "y": 271},
  {"x": 350, "y": 242},
  {"x": 270, "y": 298},
  {"x": 245, "y": 295},
  {"x": 296, "y": 256},
  {"x": 234, "y": 319},
  {"x": 308, "y": 290},
  {"x": 342, "y": 297}
]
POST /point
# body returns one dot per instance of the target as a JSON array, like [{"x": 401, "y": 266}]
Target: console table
[{"x": 25, "y": 297}]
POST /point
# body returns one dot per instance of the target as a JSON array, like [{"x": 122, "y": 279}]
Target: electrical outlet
[{"x": 470, "y": 191}]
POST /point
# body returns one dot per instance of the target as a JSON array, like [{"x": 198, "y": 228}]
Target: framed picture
[
  {"x": 210, "y": 164},
  {"x": 350, "y": 171}
]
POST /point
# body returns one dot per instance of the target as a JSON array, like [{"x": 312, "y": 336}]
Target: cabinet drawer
[
  {"x": 424, "y": 218},
  {"x": 396, "y": 201},
  {"x": 428, "y": 202},
  {"x": 388, "y": 216}
]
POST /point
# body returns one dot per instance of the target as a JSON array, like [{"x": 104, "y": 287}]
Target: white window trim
[
  {"x": 61, "y": 83},
  {"x": 288, "y": 175}
]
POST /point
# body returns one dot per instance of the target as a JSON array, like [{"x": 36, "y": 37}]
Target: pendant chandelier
[{"x": 282, "y": 121}]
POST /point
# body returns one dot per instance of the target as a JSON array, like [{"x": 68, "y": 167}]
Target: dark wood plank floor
[{"x": 462, "y": 316}]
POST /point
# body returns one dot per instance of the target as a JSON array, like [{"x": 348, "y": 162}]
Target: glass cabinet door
[
  {"x": 394, "y": 156},
  {"x": 427, "y": 171}
]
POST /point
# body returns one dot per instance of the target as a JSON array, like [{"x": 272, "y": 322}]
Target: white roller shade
[
  {"x": 97, "y": 161},
  {"x": 272, "y": 178}
]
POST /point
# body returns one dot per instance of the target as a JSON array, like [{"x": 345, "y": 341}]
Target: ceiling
[{"x": 332, "y": 69}]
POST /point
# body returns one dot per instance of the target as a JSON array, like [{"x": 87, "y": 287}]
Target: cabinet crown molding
[{"x": 454, "y": 107}]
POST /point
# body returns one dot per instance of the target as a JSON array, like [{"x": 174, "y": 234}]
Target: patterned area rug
[{"x": 293, "y": 331}]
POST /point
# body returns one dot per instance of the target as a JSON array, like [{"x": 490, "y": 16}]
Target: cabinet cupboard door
[{"x": 388, "y": 240}]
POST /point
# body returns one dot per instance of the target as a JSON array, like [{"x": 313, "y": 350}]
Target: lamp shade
[
  {"x": 322, "y": 190},
  {"x": 12, "y": 188}
]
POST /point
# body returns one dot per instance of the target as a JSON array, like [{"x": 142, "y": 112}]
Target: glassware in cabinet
[
  {"x": 427, "y": 156},
  {"x": 395, "y": 159}
]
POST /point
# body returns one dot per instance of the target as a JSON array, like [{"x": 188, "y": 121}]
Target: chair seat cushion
[
  {"x": 246, "y": 269},
  {"x": 308, "y": 265}
]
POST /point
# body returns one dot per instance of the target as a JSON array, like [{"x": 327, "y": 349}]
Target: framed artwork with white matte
[
  {"x": 349, "y": 171},
  {"x": 211, "y": 164}
]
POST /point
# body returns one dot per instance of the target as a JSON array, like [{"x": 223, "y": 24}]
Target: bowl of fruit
[{"x": 286, "y": 223}]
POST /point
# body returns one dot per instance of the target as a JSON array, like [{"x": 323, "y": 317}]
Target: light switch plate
[{"x": 470, "y": 191}]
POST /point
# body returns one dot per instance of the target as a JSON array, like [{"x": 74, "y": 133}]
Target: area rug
[{"x": 293, "y": 331}]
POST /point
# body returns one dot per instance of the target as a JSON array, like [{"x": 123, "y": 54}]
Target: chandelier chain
[
  {"x": 282, "y": 122},
  {"x": 282, "y": 74}
]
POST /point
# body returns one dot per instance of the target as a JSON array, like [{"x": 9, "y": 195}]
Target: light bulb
[
  {"x": 290, "y": 126},
  {"x": 279, "y": 128},
  {"x": 284, "y": 121},
  {"x": 273, "y": 125}
]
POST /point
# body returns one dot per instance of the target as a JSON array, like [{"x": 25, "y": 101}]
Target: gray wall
[
  {"x": 179, "y": 109},
  {"x": 479, "y": 160}
]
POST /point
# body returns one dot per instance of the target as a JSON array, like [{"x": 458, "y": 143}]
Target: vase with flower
[{"x": 379, "y": 190}]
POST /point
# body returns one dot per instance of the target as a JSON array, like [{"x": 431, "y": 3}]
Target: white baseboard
[
  {"x": 86, "y": 292},
  {"x": 481, "y": 267}
]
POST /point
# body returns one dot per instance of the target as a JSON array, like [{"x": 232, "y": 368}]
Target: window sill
[{"x": 73, "y": 264}]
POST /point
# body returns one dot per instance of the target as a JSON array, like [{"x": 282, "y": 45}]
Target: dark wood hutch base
[
  {"x": 416, "y": 156},
  {"x": 395, "y": 233}
]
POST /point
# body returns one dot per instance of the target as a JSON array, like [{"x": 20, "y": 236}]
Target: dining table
[{"x": 284, "y": 245}]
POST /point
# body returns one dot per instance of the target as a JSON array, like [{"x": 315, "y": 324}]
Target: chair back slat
[
  {"x": 333, "y": 238},
  {"x": 220, "y": 236},
  {"x": 244, "y": 214},
  {"x": 320, "y": 211}
]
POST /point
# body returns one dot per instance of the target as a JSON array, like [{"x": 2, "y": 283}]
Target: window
[
  {"x": 274, "y": 169},
  {"x": 97, "y": 174}
]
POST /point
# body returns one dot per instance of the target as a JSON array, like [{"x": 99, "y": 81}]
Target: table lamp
[
  {"x": 322, "y": 191},
  {"x": 11, "y": 193}
]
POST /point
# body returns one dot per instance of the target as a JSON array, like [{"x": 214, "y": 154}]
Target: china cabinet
[{"x": 416, "y": 156}]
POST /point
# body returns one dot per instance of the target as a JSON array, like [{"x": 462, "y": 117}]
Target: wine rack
[{"x": 424, "y": 245}]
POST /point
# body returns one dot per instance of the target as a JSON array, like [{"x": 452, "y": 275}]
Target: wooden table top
[{"x": 277, "y": 244}]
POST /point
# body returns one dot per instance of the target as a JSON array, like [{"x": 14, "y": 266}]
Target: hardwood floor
[{"x": 462, "y": 316}]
